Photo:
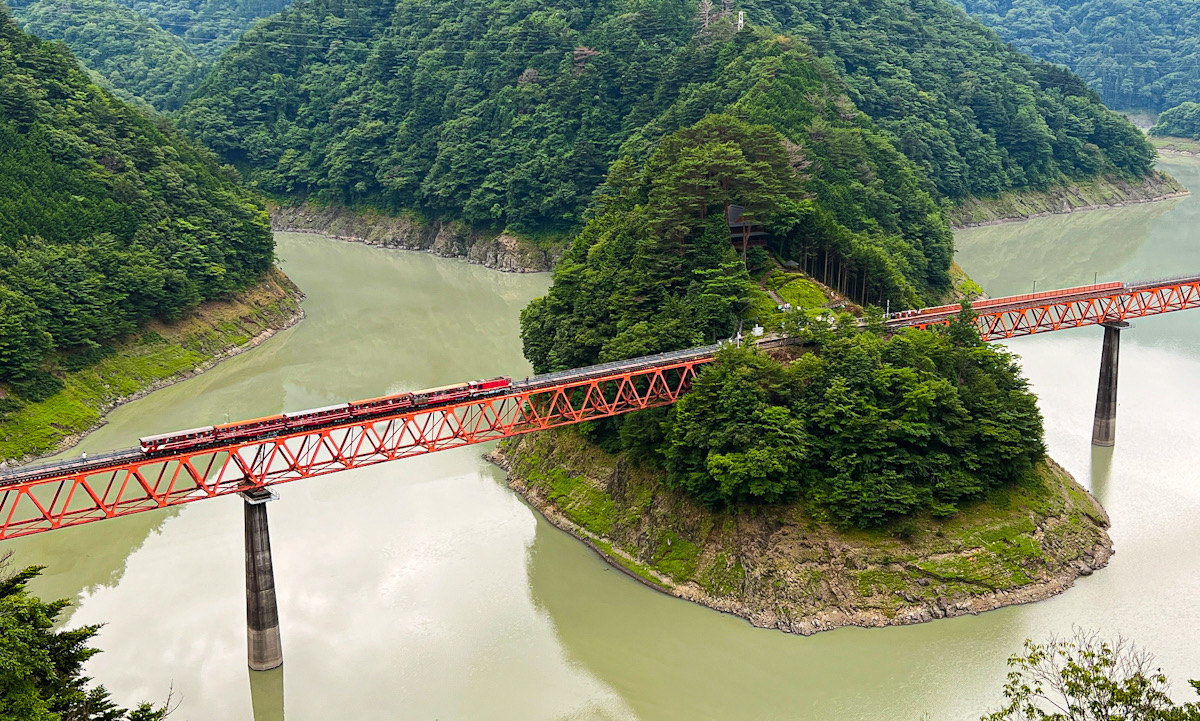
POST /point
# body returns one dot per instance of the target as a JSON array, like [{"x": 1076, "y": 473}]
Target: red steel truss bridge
[{"x": 72, "y": 492}]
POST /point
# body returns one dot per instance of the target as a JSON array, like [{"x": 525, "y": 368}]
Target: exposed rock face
[
  {"x": 777, "y": 567},
  {"x": 1109, "y": 192},
  {"x": 447, "y": 239}
]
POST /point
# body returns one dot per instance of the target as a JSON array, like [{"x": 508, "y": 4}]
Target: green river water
[{"x": 424, "y": 589}]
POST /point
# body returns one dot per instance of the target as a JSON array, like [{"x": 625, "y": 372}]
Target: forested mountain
[
  {"x": 868, "y": 429},
  {"x": 155, "y": 52},
  {"x": 509, "y": 113},
  {"x": 207, "y": 26},
  {"x": 127, "y": 52},
  {"x": 107, "y": 216},
  {"x": 1182, "y": 121},
  {"x": 1137, "y": 54}
]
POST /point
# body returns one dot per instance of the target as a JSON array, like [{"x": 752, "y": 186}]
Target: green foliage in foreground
[
  {"x": 1086, "y": 678},
  {"x": 867, "y": 427},
  {"x": 128, "y": 52},
  {"x": 1181, "y": 121},
  {"x": 1136, "y": 55},
  {"x": 107, "y": 217},
  {"x": 41, "y": 669}
]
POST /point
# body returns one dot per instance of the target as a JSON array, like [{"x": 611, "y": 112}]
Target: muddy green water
[{"x": 424, "y": 589}]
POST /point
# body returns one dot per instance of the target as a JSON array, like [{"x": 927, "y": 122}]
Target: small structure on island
[{"x": 744, "y": 233}]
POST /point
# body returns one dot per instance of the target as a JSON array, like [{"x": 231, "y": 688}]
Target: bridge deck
[{"x": 58, "y": 494}]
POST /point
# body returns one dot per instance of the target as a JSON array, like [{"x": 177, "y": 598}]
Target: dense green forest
[
  {"x": 41, "y": 667},
  {"x": 156, "y": 52},
  {"x": 207, "y": 26},
  {"x": 127, "y": 52},
  {"x": 510, "y": 113},
  {"x": 867, "y": 429},
  {"x": 1141, "y": 55},
  {"x": 1182, "y": 121},
  {"x": 107, "y": 217}
]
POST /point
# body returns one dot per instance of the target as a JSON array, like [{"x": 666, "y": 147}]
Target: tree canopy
[
  {"x": 1182, "y": 121},
  {"x": 108, "y": 217},
  {"x": 654, "y": 270},
  {"x": 125, "y": 51},
  {"x": 1084, "y": 677},
  {"x": 864, "y": 428},
  {"x": 1137, "y": 55},
  {"x": 41, "y": 668},
  {"x": 156, "y": 51},
  {"x": 980, "y": 116},
  {"x": 509, "y": 114}
]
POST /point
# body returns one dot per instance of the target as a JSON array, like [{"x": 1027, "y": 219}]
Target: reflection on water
[
  {"x": 1101, "y": 470},
  {"x": 266, "y": 694}
]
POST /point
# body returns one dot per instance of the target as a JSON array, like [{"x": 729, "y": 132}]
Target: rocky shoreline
[
  {"x": 446, "y": 239},
  {"x": 289, "y": 291},
  {"x": 779, "y": 569},
  {"x": 1100, "y": 194}
]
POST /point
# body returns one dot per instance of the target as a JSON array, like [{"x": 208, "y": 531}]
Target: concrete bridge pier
[
  {"x": 1104, "y": 429},
  {"x": 264, "y": 650}
]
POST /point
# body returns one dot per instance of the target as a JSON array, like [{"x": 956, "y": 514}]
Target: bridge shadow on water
[
  {"x": 79, "y": 560},
  {"x": 671, "y": 659}
]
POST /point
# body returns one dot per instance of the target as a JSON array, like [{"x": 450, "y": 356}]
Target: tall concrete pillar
[
  {"x": 264, "y": 650},
  {"x": 1104, "y": 430}
]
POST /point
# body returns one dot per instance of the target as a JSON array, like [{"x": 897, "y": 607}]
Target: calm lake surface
[{"x": 424, "y": 589}]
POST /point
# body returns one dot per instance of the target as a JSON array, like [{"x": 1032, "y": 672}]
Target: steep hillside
[
  {"x": 108, "y": 218},
  {"x": 509, "y": 114},
  {"x": 1136, "y": 55},
  {"x": 127, "y": 52},
  {"x": 152, "y": 52},
  {"x": 1179, "y": 122}
]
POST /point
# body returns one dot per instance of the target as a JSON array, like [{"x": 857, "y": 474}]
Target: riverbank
[
  {"x": 1105, "y": 192},
  {"x": 160, "y": 355},
  {"x": 1178, "y": 147},
  {"x": 446, "y": 239},
  {"x": 779, "y": 567}
]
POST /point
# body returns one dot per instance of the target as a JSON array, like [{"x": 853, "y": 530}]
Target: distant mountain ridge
[
  {"x": 152, "y": 52},
  {"x": 1136, "y": 55}
]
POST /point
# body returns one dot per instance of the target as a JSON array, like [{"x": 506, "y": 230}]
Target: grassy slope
[
  {"x": 783, "y": 567},
  {"x": 162, "y": 353}
]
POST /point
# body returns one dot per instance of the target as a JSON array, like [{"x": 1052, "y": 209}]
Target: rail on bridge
[{"x": 248, "y": 457}]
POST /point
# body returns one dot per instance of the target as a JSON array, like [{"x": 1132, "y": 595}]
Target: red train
[
  {"x": 983, "y": 305},
  {"x": 316, "y": 417}
]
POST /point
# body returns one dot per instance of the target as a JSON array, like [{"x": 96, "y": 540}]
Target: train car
[
  {"x": 491, "y": 384},
  {"x": 1051, "y": 294},
  {"x": 178, "y": 440},
  {"x": 317, "y": 416},
  {"x": 249, "y": 429},
  {"x": 375, "y": 406},
  {"x": 442, "y": 394}
]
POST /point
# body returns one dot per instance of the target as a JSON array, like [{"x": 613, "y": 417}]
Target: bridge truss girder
[
  {"x": 174, "y": 479},
  {"x": 1050, "y": 315}
]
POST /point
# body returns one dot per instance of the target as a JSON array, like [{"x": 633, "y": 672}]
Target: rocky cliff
[
  {"x": 448, "y": 239},
  {"x": 782, "y": 567}
]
